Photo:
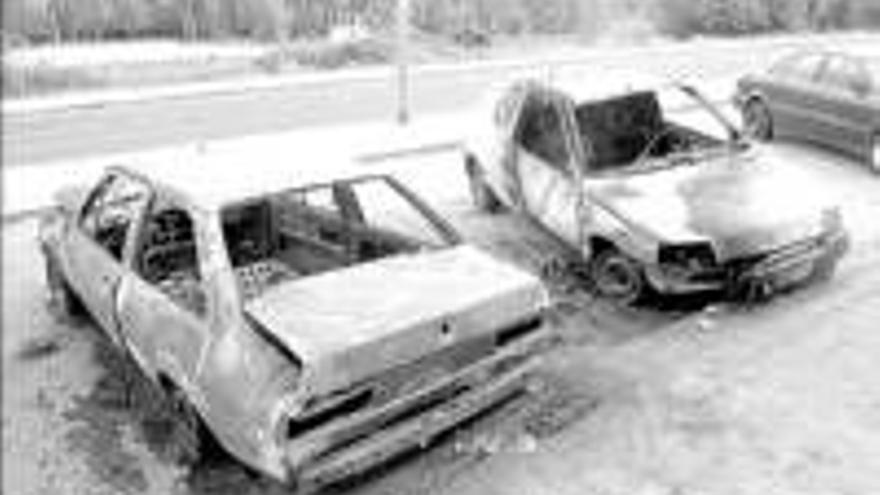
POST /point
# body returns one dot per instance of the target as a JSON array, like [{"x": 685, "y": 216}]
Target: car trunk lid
[{"x": 354, "y": 323}]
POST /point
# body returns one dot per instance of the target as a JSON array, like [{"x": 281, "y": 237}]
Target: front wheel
[
  {"x": 757, "y": 121},
  {"x": 617, "y": 277},
  {"x": 187, "y": 433}
]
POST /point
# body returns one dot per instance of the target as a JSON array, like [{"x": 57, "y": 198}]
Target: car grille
[{"x": 734, "y": 269}]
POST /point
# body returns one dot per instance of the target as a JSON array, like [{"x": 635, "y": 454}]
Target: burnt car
[
  {"x": 829, "y": 98},
  {"x": 313, "y": 322},
  {"x": 645, "y": 202}
]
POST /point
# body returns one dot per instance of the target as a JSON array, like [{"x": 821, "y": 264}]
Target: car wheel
[
  {"x": 617, "y": 277},
  {"x": 874, "y": 153},
  {"x": 757, "y": 121},
  {"x": 186, "y": 432},
  {"x": 482, "y": 195},
  {"x": 61, "y": 297}
]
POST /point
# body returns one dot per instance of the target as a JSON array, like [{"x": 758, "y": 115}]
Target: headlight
[{"x": 694, "y": 256}]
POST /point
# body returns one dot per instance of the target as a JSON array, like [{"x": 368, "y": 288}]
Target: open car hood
[
  {"x": 742, "y": 202},
  {"x": 353, "y": 323}
]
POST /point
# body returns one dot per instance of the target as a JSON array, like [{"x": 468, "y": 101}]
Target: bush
[
  {"x": 684, "y": 18},
  {"x": 27, "y": 81},
  {"x": 45, "y": 20}
]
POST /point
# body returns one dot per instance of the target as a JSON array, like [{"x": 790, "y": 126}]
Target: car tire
[
  {"x": 874, "y": 153},
  {"x": 482, "y": 195},
  {"x": 188, "y": 433},
  {"x": 62, "y": 298},
  {"x": 757, "y": 120},
  {"x": 617, "y": 277}
]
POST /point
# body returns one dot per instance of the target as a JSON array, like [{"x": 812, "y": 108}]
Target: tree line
[{"x": 36, "y": 21}]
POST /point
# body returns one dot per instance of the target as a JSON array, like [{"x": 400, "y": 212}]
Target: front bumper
[
  {"x": 364, "y": 439},
  {"x": 763, "y": 273}
]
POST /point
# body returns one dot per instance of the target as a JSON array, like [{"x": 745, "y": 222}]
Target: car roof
[{"x": 221, "y": 173}]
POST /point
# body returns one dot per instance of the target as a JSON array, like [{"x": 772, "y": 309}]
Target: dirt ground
[{"x": 692, "y": 397}]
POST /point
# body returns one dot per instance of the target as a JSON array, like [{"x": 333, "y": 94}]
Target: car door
[
  {"x": 844, "y": 110},
  {"x": 792, "y": 93},
  {"x": 166, "y": 304},
  {"x": 502, "y": 174},
  {"x": 97, "y": 253},
  {"x": 543, "y": 156}
]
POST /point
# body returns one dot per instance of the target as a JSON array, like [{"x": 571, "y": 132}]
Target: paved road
[{"x": 31, "y": 137}]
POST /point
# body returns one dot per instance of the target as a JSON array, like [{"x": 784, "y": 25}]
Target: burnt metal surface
[
  {"x": 619, "y": 172},
  {"x": 273, "y": 316}
]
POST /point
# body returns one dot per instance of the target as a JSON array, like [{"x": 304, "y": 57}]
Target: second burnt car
[
  {"x": 647, "y": 203},
  {"x": 315, "y": 320}
]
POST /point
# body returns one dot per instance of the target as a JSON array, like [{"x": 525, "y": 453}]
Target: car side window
[
  {"x": 384, "y": 209},
  {"x": 112, "y": 210},
  {"x": 315, "y": 215},
  {"x": 800, "y": 68},
  {"x": 541, "y": 133},
  {"x": 169, "y": 260},
  {"x": 843, "y": 74}
]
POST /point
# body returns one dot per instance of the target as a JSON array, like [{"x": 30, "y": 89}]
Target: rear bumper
[
  {"x": 774, "y": 271},
  {"x": 362, "y": 440}
]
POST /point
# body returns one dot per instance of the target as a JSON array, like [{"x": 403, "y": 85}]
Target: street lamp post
[{"x": 401, "y": 54}]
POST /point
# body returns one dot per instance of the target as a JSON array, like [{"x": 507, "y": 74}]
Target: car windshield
[
  {"x": 326, "y": 227},
  {"x": 649, "y": 126}
]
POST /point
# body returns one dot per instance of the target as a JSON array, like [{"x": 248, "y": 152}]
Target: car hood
[
  {"x": 742, "y": 203},
  {"x": 351, "y": 324}
]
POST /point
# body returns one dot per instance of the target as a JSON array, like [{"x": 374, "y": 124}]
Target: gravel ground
[{"x": 693, "y": 397}]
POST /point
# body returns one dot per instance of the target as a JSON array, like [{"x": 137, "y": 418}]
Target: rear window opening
[{"x": 322, "y": 228}]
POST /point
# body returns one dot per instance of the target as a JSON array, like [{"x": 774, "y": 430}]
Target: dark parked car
[{"x": 829, "y": 98}]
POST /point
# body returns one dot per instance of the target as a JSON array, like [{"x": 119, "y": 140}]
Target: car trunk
[{"x": 356, "y": 323}]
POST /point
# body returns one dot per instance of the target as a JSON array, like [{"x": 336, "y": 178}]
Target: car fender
[{"x": 607, "y": 224}]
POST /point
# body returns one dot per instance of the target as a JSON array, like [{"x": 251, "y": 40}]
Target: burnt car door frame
[
  {"x": 164, "y": 336},
  {"x": 502, "y": 173},
  {"x": 91, "y": 268},
  {"x": 568, "y": 174}
]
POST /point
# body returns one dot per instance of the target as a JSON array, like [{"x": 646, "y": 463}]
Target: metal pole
[{"x": 402, "y": 61}]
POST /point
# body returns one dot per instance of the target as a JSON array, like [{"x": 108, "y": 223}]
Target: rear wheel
[
  {"x": 874, "y": 153},
  {"x": 186, "y": 433},
  {"x": 757, "y": 121},
  {"x": 482, "y": 195},
  {"x": 617, "y": 277}
]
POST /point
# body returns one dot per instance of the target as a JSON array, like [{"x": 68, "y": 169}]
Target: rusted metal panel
[
  {"x": 256, "y": 362},
  {"x": 621, "y": 187}
]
